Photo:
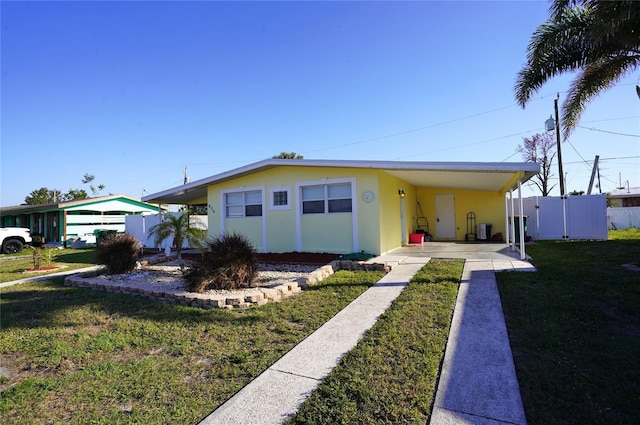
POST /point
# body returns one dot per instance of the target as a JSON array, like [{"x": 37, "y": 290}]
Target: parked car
[{"x": 13, "y": 239}]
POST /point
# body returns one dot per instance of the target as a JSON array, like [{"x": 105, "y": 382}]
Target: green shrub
[
  {"x": 119, "y": 252},
  {"x": 229, "y": 263}
]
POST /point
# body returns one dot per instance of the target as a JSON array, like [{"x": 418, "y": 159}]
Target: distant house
[
  {"x": 624, "y": 211},
  {"x": 345, "y": 206},
  {"x": 629, "y": 197},
  {"x": 62, "y": 221}
]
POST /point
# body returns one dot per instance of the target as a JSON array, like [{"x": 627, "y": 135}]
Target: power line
[
  {"x": 373, "y": 139},
  {"x": 621, "y": 157},
  {"x": 615, "y": 119},
  {"x": 609, "y": 132},
  {"x": 581, "y": 157},
  {"x": 467, "y": 144}
]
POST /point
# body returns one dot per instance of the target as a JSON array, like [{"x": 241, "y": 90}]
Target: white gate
[{"x": 568, "y": 217}]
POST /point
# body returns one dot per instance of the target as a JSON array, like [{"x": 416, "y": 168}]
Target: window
[
  {"x": 331, "y": 198},
  {"x": 243, "y": 204},
  {"x": 280, "y": 198}
]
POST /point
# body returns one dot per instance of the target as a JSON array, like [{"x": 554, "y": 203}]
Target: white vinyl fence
[
  {"x": 139, "y": 225},
  {"x": 569, "y": 217},
  {"x": 623, "y": 218}
]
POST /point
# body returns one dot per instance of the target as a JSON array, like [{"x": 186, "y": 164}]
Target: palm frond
[
  {"x": 595, "y": 78},
  {"x": 598, "y": 38},
  {"x": 555, "y": 48}
]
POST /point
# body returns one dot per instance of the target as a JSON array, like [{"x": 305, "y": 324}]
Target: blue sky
[{"x": 132, "y": 92}]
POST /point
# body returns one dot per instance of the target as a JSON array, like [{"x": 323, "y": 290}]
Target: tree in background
[
  {"x": 75, "y": 194},
  {"x": 179, "y": 227},
  {"x": 288, "y": 155},
  {"x": 88, "y": 179},
  {"x": 597, "y": 39},
  {"x": 42, "y": 196},
  {"x": 540, "y": 148},
  {"x": 49, "y": 196}
]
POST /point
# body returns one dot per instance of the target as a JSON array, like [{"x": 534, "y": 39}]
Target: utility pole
[
  {"x": 186, "y": 176},
  {"x": 555, "y": 105},
  {"x": 593, "y": 174}
]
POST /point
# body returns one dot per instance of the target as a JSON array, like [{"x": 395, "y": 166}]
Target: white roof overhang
[{"x": 483, "y": 176}]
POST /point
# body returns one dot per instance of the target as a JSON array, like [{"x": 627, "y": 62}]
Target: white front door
[{"x": 445, "y": 217}]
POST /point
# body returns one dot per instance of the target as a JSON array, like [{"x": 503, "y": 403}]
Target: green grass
[
  {"x": 80, "y": 356},
  {"x": 12, "y": 266},
  {"x": 391, "y": 375},
  {"x": 574, "y": 327}
]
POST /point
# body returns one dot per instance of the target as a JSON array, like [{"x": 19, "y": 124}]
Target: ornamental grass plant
[{"x": 229, "y": 263}]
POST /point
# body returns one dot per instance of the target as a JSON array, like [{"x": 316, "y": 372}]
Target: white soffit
[{"x": 455, "y": 179}]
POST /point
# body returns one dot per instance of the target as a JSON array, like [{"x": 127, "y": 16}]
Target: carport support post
[
  {"x": 506, "y": 219},
  {"x": 513, "y": 222},
  {"x": 521, "y": 221}
]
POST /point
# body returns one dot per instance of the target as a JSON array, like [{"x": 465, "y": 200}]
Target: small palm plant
[
  {"x": 229, "y": 263},
  {"x": 179, "y": 227}
]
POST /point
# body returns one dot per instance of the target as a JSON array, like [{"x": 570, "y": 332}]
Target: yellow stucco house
[{"x": 344, "y": 206}]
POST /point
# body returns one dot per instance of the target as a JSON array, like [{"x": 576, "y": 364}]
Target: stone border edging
[{"x": 92, "y": 280}]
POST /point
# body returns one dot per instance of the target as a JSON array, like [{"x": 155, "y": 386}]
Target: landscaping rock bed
[{"x": 160, "y": 278}]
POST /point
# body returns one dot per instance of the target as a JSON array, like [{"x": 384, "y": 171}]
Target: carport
[
  {"x": 462, "y": 250},
  {"x": 497, "y": 177}
]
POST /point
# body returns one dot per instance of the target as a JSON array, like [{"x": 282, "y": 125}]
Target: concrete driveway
[{"x": 465, "y": 250}]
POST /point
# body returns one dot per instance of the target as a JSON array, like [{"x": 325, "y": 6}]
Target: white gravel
[{"x": 169, "y": 276}]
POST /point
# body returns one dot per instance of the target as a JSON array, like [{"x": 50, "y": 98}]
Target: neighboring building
[
  {"x": 62, "y": 221},
  {"x": 624, "y": 208},
  {"x": 344, "y": 206},
  {"x": 629, "y": 197}
]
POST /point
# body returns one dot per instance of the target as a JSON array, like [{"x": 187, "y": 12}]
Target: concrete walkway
[
  {"x": 278, "y": 392},
  {"x": 49, "y": 276},
  {"x": 478, "y": 383}
]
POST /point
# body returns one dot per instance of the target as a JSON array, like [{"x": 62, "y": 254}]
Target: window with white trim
[
  {"x": 326, "y": 199},
  {"x": 280, "y": 198},
  {"x": 243, "y": 204}
]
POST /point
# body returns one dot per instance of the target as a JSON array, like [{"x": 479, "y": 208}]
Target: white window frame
[
  {"x": 243, "y": 191},
  {"x": 354, "y": 207},
  {"x": 326, "y": 199},
  {"x": 272, "y": 192}
]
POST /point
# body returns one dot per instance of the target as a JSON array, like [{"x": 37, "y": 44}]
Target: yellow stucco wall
[
  {"x": 379, "y": 225},
  {"x": 389, "y": 225},
  {"x": 323, "y": 232},
  {"x": 248, "y": 226},
  {"x": 488, "y": 207}
]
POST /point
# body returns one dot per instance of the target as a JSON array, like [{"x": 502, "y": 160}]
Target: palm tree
[
  {"x": 598, "y": 39},
  {"x": 179, "y": 227}
]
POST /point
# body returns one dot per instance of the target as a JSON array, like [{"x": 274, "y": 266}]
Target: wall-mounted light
[{"x": 401, "y": 193}]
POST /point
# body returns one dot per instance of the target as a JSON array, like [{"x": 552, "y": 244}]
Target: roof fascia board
[
  {"x": 382, "y": 165},
  {"x": 27, "y": 209}
]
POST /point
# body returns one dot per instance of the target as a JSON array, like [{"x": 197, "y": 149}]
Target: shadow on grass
[
  {"x": 37, "y": 304},
  {"x": 38, "y": 307},
  {"x": 77, "y": 256},
  {"x": 573, "y": 327}
]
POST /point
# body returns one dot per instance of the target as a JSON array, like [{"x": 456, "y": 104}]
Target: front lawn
[
  {"x": 80, "y": 356},
  {"x": 574, "y": 327},
  {"x": 13, "y": 267}
]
